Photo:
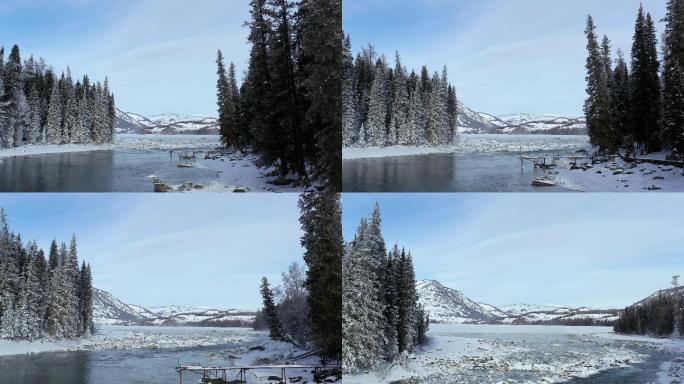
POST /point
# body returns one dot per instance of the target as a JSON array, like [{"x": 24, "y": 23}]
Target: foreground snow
[
  {"x": 477, "y": 143},
  {"x": 120, "y": 337},
  {"x": 490, "y": 354},
  {"x": 619, "y": 176}
]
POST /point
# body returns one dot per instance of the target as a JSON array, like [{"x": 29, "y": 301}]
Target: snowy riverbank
[
  {"x": 476, "y": 143},
  {"x": 121, "y": 337},
  {"x": 121, "y": 142},
  {"x": 618, "y": 176},
  {"x": 521, "y": 354}
]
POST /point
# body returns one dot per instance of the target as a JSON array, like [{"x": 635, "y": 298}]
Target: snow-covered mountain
[
  {"x": 108, "y": 310},
  {"x": 169, "y": 124},
  {"x": 470, "y": 121},
  {"x": 447, "y": 305}
]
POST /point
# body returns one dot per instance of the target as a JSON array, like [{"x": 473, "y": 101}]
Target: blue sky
[
  {"x": 159, "y": 54},
  {"x": 209, "y": 250},
  {"x": 601, "y": 250},
  {"x": 504, "y": 56}
]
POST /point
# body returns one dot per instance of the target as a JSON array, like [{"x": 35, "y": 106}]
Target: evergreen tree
[
  {"x": 619, "y": 105},
  {"x": 645, "y": 85},
  {"x": 597, "y": 104},
  {"x": 377, "y": 110},
  {"x": 54, "y": 119},
  {"x": 271, "y": 312},
  {"x": 400, "y": 111},
  {"x": 350, "y": 116},
  {"x": 321, "y": 217},
  {"x": 226, "y": 106},
  {"x": 673, "y": 78}
]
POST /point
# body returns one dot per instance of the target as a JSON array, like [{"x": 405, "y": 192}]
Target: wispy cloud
[{"x": 546, "y": 249}]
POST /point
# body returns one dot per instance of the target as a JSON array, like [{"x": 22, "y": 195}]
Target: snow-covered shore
[
  {"x": 476, "y": 143},
  {"x": 49, "y": 149},
  {"x": 470, "y": 354},
  {"x": 121, "y": 337},
  {"x": 121, "y": 142},
  {"x": 618, "y": 176}
]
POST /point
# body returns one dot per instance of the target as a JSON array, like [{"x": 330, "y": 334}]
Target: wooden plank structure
[{"x": 240, "y": 375}]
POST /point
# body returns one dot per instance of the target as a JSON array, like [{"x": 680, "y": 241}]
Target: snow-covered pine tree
[
  {"x": 408, "y": 303},
  {"x": 362, "y": 344},
  {"x": 30, "y": 308},
  {"x": 440, "y": 132},
  {"x": 350, "y": 111},
  {"x": 390, "y": 290},
  {"x": 16, "y": 108},
  {"x": 10, "y": 279},
  {"x": 400, "y": 129},
  {"x": 416, "y": 116},
  {"x": 53, "y": 130},
  {"x": 452, "y": 113},
  {"x": 70, "y": 109},
  {"x": 86, "y": 300},
  {"x": 375, "y": 129}
]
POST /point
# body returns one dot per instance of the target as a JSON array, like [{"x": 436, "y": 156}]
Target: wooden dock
[{"x": 239, "y": 374}]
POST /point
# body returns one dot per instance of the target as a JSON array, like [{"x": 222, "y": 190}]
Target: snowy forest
[
  {"x": 661, "y": 315},
  {"x": 42, "y": 298},
  {"x": 381, "y": 314},
  {"x": 385, "y": 106},
  {"x": 288, "y": 107},
  {"x": 38, "y": 107},
  {"x": 641, "y": 108},
  {"x": 307, "y": 309}
]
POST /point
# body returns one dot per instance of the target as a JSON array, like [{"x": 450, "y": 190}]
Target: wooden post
[{"x": 181, "y": 377}]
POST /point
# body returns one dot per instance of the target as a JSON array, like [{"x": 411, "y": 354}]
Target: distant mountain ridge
[
  {"x": 108, "y": 310},
  {"x": 470, "y": 121},
  {"x": 447, "y": 305},
  {"x": 168, "y": 124}
]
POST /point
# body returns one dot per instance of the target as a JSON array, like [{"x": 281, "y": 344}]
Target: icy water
[
  {"x": 143, "y": 366},
  {"x": 101, "y": 367},
  {"x": 121, "y": 170},
  {"x": 486, "y": 167},
  {"x": 536, "y": 348}
]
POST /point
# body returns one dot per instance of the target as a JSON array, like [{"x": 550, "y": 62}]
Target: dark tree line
[
  {"x": 657, "y": 316},
  {"x": 307, "y": 308},
  {"x": 639, "y": 109},
  {"x": 385, "y": 106},
  {"x": 40, "y": 297},
  {"x": 288, "y": 108},
  {"x": 39, "y": 107},
  {"x": 381, "y": 314}
]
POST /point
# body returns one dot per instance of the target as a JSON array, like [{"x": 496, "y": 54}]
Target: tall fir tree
[
  {"x": 645, "y": 104},
  {"x": 321, "y": 218},
  {"x": 597, "y": 104}
]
